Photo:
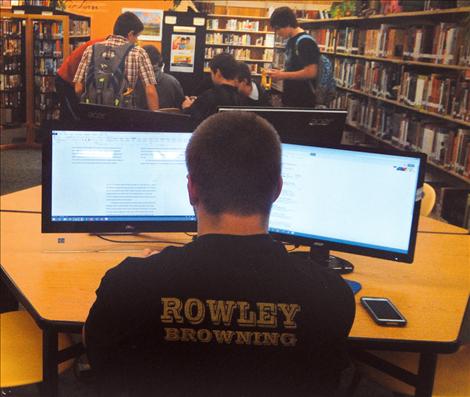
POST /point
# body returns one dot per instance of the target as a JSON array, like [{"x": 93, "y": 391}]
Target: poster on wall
[
  {"x": 152, "y": 20},
  {"x": 183, "y": 51}
]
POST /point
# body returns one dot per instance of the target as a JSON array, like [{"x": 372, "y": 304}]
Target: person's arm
[
  {"x": 308, "y": 72},
  {"x": 80, "y": 75},
  {"x": 152, "y": 97},
  {"x": 147, "y": 76}
]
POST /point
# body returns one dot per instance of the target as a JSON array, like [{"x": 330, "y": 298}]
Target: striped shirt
[{"x": 137, "y": 63}]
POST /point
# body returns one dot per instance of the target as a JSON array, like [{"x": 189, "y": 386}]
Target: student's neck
[
  {"x": 296, "y": 31},
  {"x": 232, "y": 224}
]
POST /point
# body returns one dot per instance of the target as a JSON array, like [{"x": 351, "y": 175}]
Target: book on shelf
[
  {"x": 47, "y": 30},
  {"x": 325, "y": 38}
]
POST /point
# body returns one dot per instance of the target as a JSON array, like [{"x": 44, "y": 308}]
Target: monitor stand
[{"x": 322, "y": 256}]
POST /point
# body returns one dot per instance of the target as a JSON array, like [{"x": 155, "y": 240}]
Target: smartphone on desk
[{"x": 383, "y": 311}]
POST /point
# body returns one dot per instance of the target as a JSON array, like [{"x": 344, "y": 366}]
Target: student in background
[
  {"x": 127, "y": 29},
  {"x": 64, "y": 82},
  {"x": 224, "y": 71},
  {"x": 252, "y": 92},
  {"x": 302, "y": 58},
  {"x": 231, "y": 313},
  {"x": 170, "y": 92}
]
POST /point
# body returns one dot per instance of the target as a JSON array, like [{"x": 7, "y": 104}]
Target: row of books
[
  {"x": 9, "y": 115},
  {"x": 371, "y": 77},
  {"x": 236, "y": 24},
  {"x": 79, "y": 27},
  {"x": 10, "y": 47},
  {"x": 40, "y": 116},
  {"x": 44, "y": 48},
  {"x": 444, "y": 144},
  {"x": 46, "y": 66},
  {"x": 10, "y": 81},
  {"x": 11, "y": 99},
  {"x": 44, "y": 84},
  {"x": 436, "y": 93},
  {"x": 432, "y": 92},
  {"x": 47, "y": 30},
  {"x": 10, "y": 65},
  {"x": 443, "y": 43},
  {"x": 325, "y": 38},
  {"x": 239, "y": 54},
  {"x": 239, "y": 39},
  {"x": 10, "y": 27},
  {"x": 75, "y": 44},
  {"x": 44, "y": 101}
]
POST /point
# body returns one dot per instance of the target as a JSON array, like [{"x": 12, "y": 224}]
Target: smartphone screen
[{"x": 383, "y": 311}]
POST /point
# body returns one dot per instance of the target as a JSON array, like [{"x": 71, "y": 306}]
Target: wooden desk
[{"x": 59, "y": 288}]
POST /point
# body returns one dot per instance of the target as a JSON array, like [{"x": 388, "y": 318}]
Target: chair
[
  {"x": 429, "y": 199},
  {"x": 21, "y": 350}
]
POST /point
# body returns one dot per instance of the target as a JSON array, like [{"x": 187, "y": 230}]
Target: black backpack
[{"x": 106, "y": 83}]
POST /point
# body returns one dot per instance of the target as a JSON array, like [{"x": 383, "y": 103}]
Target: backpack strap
[{"x": 304, "y": 35}]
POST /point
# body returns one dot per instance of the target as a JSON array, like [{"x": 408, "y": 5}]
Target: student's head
[
  {"x": 223, "y": 67},
  {"x": 283, "y": 21},
  {"x": 128, "y": 25},
  {"x": 234, "y": 165},
  {"x": 154, "y": 55},
  {"x": 244, "y": 79}
]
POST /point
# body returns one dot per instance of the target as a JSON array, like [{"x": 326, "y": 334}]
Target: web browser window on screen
[{"x": 365, "y": 199}]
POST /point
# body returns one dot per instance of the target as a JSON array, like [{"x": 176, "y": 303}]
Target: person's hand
[
  {"x": 149, "y": 252},
  {"x": 276, "y": 74},
  {"x": 188, "y": 101}
]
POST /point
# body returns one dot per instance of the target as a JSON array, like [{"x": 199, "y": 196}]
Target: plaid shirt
[{"x": 137, "y": 63}]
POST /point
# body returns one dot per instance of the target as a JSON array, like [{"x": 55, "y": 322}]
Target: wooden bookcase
[
  {"x": 247, "y": 37},
  {"x": 352, "y": 88},
  {"x": 47, "y": 39}
]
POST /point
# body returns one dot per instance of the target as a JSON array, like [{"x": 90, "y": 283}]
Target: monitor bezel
[
  {"x": 360, "y": 250},
  {"x": 125, "y": 227}
]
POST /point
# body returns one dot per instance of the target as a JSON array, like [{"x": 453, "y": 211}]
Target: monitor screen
[
  {"x": 116, "y": 181},
  {"x": 301, "y": 125},
  {"x": 350, "y": 199}
]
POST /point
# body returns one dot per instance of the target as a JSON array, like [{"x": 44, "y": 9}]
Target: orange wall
[{"x": 103, "y": 13}]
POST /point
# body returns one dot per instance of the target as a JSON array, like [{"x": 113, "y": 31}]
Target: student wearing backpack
[
  {"x": 108, "y": 71},
  {"x": 308, "y": 78}
]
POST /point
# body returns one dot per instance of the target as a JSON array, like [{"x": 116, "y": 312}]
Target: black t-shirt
[
  {"x": 207, "y": 103},
  {"x": 223, "y": 315},
  {"x": 298, "y": 92}
]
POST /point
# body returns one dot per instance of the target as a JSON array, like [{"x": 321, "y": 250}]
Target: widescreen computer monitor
[
  {"x": 301, "y": 125},
  {"x": 351, "y": 199},
  {"x": 115, "y": 181},
  {"x": 359, "y": 200}
]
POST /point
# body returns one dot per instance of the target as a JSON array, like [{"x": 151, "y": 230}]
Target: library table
[{"x": 58, "y": 288}]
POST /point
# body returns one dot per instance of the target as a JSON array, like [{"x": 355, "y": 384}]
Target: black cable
[
  {"x": 451, "y": 233},
  {"x": 22, "y": 211},
  {"x": 138, "y": 241}
]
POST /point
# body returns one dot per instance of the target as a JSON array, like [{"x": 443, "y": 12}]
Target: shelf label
[
  {"x": 21, "y": 12},
  {"x": 47, "y": 13}
]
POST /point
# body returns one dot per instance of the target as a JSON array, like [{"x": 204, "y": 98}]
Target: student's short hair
[
  {"x": 227, "y": 65},
  {"x": 234, "y": 159},
  {"x": 127, "y": 22},
  {"x": 244, "y": 72},
  {"x": 283, "y": 17},
  {"x": 154, "y": 55}
]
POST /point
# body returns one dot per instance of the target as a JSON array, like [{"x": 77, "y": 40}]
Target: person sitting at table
[
  {"x": 231, "y": 313},
  {"x": 224, "y": 69},
  {"x": 252, "y": 92}
]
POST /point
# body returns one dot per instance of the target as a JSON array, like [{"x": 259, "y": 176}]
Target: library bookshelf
[
  {"x": 401, "y": 70},
  {"x": 247, "y": 37},
  {"x": 46, "y": 40}
]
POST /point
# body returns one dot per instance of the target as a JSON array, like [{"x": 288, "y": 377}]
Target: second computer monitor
[{"x": 301, "y": 125}]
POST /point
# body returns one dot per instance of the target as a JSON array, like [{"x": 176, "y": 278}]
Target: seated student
[
  {"x": 253, "y": 94},
  {"x": 170, "y": 92},
  {"x": 224, "y": 70},
  {"x": 231, "y": 313}
]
